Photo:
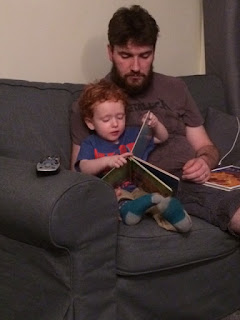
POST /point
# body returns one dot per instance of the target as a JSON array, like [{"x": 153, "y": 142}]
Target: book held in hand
[
  {"x": 225, "y": 178},
  {"x": 141, "y": 173}
]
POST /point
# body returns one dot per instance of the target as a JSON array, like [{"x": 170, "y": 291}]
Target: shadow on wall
[{"x": 94, "y": 59}]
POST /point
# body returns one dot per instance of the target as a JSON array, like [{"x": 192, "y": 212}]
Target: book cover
[
  {"x": 143, "y": 175},
  {"x": 150, "y": 178},
  {"x": 225, "y": 178},
  {"x": 143, "y": 138},
  {"x": 169, "y": 179}
]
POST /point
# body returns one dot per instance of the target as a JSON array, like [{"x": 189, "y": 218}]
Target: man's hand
[
  {"x": 196, "y": 170},
  {"x": 207, "y": 156}
]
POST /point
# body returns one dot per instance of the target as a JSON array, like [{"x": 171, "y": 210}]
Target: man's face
[{"x": 132, "y": 66}]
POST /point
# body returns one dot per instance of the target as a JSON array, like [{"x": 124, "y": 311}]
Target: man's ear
[
  {"x": 110, "y": 52},
  {"x": 89, "y": 123}
]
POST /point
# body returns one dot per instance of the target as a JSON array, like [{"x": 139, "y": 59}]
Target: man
[{"x": 188, "y": 152}]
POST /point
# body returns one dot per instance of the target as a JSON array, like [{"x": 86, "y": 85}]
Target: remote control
[{"x": 49, "y": 165}]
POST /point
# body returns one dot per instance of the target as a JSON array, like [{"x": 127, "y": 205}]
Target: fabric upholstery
[
  {"x": 37, "y": 113},
  {"x": 155, "y": 247},
  {"x": 207, "y": 91},
  {"x": 63, "y": 253},
  {"x": 222, "y": 46},
  {"x": 57, "y": 257},
  {"x": 223, "y": 130}
]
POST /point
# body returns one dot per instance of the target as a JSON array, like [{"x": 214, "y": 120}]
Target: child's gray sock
[
  {"x": 132, "y": 211},
  {"x": 173, "y": 211}
]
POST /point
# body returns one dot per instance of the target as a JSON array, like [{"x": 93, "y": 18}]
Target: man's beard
[{"x": 131, "y": 89}]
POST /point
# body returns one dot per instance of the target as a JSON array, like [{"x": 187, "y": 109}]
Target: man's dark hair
[{"x": 132, "y": 24}]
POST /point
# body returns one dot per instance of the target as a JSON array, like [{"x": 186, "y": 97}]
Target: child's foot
[
  {"x": 173, "y": 211},
  {"x": 132, "y": 211}
]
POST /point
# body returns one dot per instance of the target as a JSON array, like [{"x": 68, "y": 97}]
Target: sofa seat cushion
[{"x": 146, "y": 248}]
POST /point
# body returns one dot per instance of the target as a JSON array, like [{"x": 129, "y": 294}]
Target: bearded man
[{"x": 189, "y": 152}]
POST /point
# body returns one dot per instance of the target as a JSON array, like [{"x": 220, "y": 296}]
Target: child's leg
[
  {"x": 132, "y": 211},
  {"x": 173, "y": 211}
]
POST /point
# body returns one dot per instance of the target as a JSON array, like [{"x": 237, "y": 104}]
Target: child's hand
[
  {"x": 118, "y": 191},
  {"x": 118, "y": 160},
  {"x": 160, "y": 133},
  {"x": 152, "y": 120}
]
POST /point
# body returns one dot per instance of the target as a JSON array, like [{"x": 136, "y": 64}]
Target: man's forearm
[{"x": 209, "y": 154}]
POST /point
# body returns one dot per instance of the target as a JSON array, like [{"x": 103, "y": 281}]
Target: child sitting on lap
[{"x": 103, "y": 109}]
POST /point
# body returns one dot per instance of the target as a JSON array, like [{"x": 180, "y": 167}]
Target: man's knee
[{"x": 234, "y": 224}]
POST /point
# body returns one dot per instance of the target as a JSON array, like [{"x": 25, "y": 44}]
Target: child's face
[{"x": 108, "y": 120}]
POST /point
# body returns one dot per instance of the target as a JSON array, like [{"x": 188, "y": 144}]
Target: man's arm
[
  {"x": 210, "y": 154},
  {"x": 207, "y": 156}
]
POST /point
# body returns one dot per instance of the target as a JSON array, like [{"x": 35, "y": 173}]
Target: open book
[
  {"x": 225, "y": 178},
  {"x": 141, "y": 173}
]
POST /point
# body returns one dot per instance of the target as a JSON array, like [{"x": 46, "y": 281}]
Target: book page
[
  {"x": 146, "y": 180},
  {"x": 169, "y": 179},
  {"x": 143, "y": 138},
  {"x": 117, "y": 176}
]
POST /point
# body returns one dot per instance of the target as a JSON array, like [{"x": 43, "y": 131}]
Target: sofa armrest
[
  {"x": 67, "y": 209},
  {"x": 61, "y": 231}
]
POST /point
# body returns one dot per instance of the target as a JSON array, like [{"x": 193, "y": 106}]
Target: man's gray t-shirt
[{"x": 169, "y": 99}]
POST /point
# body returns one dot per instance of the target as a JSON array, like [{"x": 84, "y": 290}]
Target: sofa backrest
[
  {"x": 34, "y": 119},
  {"x": 207, "y": 91}
]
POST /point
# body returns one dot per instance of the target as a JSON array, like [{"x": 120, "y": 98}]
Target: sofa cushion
[
  {"x": 146, "y": 248},
  {"x": 207, "y": 91},
  {"x": 223, "y": 129},
  {"x": 35, "y": 119}
]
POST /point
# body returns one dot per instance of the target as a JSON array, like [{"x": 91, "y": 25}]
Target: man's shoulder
[
  {"x": 108, "y": 76},
  {"x": 164, "y": 79},
  {"x": 166, "y": 85}
]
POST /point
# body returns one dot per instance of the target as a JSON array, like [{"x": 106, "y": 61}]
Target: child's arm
[
  {"x": 159, "y": 130},
  {"x": 96, "y": 166}
]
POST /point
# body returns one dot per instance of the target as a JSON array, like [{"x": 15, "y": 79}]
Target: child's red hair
[{"x": 99, "y": 92}]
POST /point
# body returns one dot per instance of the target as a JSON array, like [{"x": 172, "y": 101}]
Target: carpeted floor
[{"x": 234, "y": 316}]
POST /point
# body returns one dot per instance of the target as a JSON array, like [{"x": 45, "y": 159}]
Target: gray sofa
[{"x": 63, "y": 254}]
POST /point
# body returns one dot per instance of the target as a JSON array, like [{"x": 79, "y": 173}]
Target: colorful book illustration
[
  {"x": 225, "y": 178},
  {"x": 141, "y": 173}
]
